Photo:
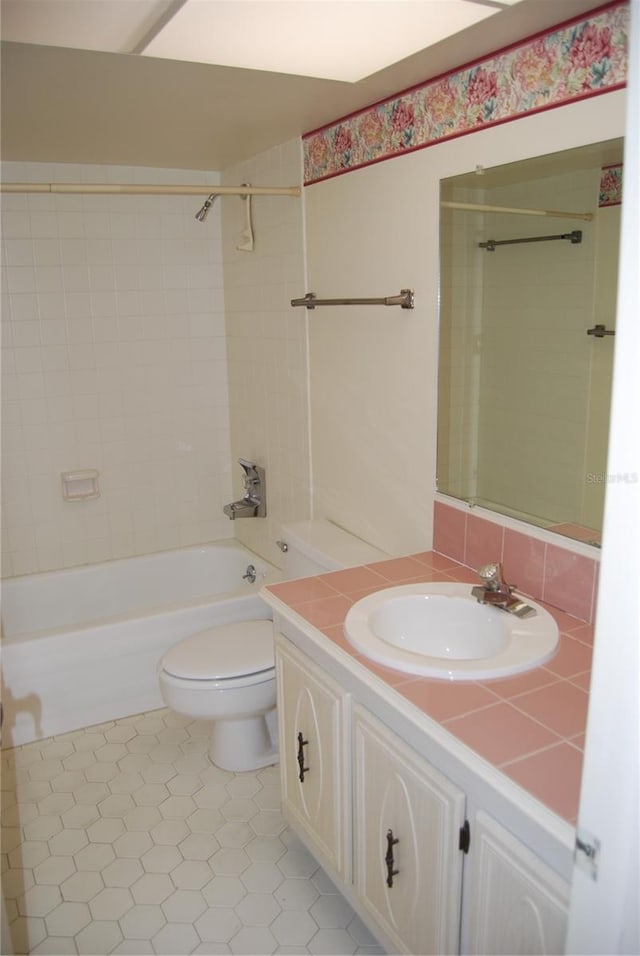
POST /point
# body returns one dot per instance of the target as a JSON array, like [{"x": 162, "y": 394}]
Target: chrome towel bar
[
  {"x": 575, "y": 238},
  {"x": 405, "y": 300}
]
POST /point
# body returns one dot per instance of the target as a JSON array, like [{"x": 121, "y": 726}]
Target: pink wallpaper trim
[
  {"x": 578, "y": 59},
  {"x": 611, "y": 186}
]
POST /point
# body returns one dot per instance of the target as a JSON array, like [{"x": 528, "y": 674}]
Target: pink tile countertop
[{"x": 531, "y": 726}]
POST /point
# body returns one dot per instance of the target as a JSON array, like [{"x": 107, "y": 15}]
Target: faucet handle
[
  {"x": 490, "y": 572},
  {"x": 493, "y": 577},
  {"x": 254, "y": 486},
  {"x": 250, "y": 469}
]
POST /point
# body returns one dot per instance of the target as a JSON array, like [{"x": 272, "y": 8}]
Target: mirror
[{"x": 527, "y": 319}]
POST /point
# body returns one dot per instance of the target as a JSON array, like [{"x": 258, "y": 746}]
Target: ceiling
[{"x": 71, "y": 104}]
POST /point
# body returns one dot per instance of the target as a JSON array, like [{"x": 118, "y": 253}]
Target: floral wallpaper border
[
  {"x": 611, "y": 185},
  {"x": 575, "y": 60}
]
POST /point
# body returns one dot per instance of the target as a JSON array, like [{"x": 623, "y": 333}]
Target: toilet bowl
[{"x": 226, "y": 674}]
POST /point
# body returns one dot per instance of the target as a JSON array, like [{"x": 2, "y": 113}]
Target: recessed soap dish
[{"x": 80, "y": 485}]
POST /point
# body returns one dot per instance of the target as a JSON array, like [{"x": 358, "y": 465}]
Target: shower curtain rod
[
  {"x": 479, "y": 207},
  {"x": 151, "y": 190}
]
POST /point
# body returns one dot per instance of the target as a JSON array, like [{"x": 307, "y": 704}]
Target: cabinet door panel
[
  {"x": 519, "y": 905},
  {"x": 397, "y": 791},
  {"x": 311, "y": 705}
]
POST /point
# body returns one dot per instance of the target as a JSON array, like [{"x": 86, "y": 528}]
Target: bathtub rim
[{"x": 272, "y": 574}]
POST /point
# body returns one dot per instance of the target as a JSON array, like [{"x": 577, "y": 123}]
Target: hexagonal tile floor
[{"x": 124, "y": 838}]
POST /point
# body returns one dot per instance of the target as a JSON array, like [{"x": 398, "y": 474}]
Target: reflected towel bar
[
  {"x": 575, "y": 238},
  {"x": 405, "y": 300}
]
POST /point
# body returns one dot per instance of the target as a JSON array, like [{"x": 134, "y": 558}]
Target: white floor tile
[
  {"x": 99, "y": 937},
  {"x": 123, "y": 838}
]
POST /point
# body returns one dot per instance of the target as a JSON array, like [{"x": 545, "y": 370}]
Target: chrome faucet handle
[
  {"x": 251, "y": 475},
  {"x": 489, "y": 572},
  {"x": 493, "y": 577},
  {"x": 254, "y": 483}
]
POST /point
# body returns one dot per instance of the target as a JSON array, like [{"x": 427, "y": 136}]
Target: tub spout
[{"x": 240, "y": 509}]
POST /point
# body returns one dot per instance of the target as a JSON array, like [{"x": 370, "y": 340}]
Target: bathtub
[{"x": 81, "y": 646}]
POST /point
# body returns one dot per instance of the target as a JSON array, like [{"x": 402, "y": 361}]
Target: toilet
[{"x": 226, "y": 674}]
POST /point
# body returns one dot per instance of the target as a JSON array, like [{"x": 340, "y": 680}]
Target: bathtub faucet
[{"x": 254, "y": 502}]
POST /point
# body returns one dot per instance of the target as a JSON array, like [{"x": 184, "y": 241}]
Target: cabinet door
[
  {"x": 518, "y": 904},
  {"x": 405, "y": 806},
  {"x": 311, "y": 730}
]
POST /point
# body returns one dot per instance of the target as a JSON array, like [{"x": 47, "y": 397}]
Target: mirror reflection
[{"x": 527, "y": 325}]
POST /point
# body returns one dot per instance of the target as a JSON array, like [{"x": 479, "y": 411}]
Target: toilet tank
[{"x": 314, "y": 547}]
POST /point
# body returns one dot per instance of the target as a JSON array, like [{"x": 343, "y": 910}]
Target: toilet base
[{"x": 241, "y": 745}]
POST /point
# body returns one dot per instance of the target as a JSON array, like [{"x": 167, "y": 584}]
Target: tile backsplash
[
  {"x": 113, "y": 347},
  {"x": 542, "y": 570}
]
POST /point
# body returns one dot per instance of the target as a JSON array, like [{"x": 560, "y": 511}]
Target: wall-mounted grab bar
[
  {"x": 575, "y": 238},
  {"x": 405, "y": 300}
]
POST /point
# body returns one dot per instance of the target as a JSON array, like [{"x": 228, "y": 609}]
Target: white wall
[
  {"x": 374, "y": 370},
  {"x": 267, "y": 345},
  {"x": 604, "y": 915},
  {"x": 115, "y": 350},
  {"x": 113, "y": 358}
]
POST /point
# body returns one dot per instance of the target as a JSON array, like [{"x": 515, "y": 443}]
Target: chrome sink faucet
[{"x": 495, "y": 591}]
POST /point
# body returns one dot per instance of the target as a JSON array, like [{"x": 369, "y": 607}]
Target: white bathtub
[{"x": 81, "y": 646}]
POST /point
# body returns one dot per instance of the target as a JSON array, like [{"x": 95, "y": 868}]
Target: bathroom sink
[{"x": 440, "y": 630}]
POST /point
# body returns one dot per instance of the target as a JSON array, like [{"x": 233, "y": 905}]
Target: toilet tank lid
[{"x": 320, "y": 540}]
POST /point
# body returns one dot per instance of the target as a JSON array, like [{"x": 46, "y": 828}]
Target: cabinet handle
[
  {"x": 391, "y": 842},
  {"x": 301, "y": 743}
]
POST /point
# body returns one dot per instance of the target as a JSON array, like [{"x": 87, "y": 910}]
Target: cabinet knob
[
  {"x": 391, "y": 842},
  {"x": 301, "y": 743}
]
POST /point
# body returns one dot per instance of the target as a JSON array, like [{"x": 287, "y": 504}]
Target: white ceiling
[
  {"x": 329, "y": 39},
  {"x": 116, "y": 26},
  {"x": 71, "y": 92}
]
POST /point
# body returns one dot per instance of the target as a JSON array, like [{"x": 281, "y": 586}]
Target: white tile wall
[
  {"x": 113, "y": 347},
  {"x": 267, "y": 344}
]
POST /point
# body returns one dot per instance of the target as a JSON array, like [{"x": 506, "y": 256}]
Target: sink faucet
[
  {"x": 495, "y": 591},
  {"x": 254, "y": 502}
]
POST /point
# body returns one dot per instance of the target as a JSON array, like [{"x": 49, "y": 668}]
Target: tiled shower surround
[
  {"x": 124, "y": 838},
  {"x": 114, "y": 358}
]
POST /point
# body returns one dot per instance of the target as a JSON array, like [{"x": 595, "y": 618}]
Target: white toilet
[{"x": 226, "y": 674}]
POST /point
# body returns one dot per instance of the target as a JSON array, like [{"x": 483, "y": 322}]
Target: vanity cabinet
[
  {"x": 312, "y": 724},
  {"x": 406, "y": 831},
  {"x": 388, "y": 825},
  {"x": 518, "y": 905}
]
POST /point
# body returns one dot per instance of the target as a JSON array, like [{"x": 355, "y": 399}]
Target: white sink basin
[{"x": 440, "y": 630}]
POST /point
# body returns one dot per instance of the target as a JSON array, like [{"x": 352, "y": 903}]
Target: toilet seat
[{"x": 240, "y": 653}]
